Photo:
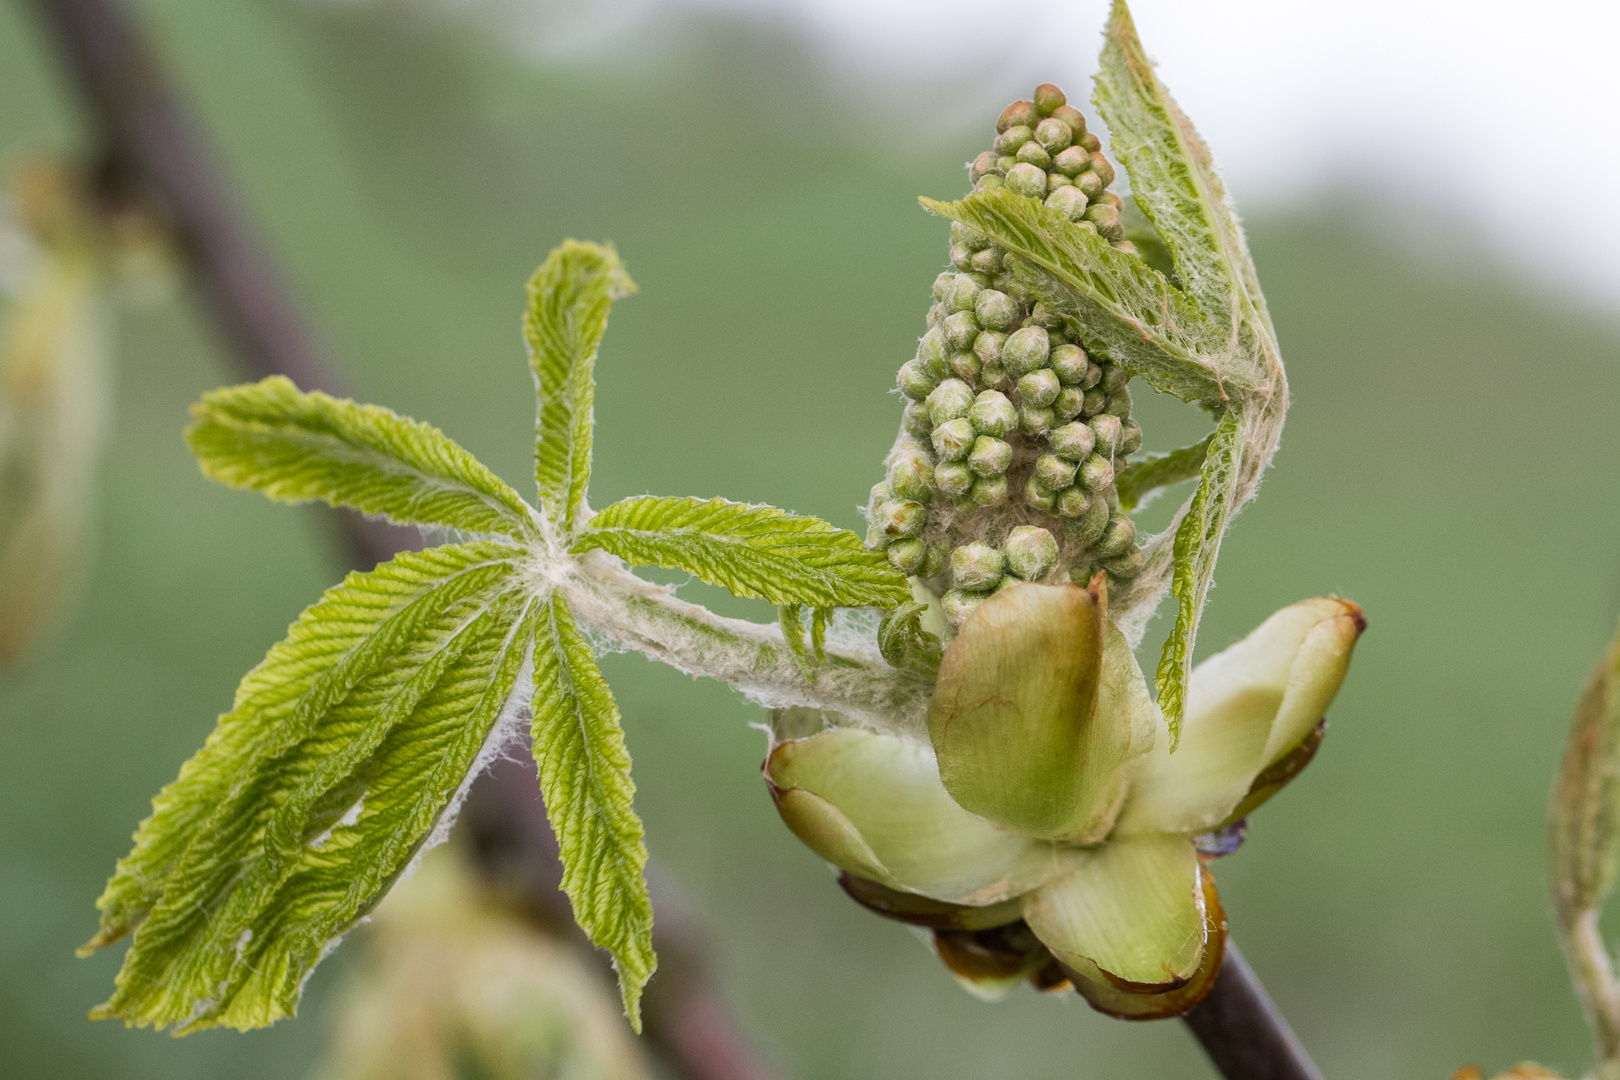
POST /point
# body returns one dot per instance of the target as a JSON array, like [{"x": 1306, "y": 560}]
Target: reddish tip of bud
[
  {"x": 1049, "y": 99},
  {"x": 1019, "y": 113}
]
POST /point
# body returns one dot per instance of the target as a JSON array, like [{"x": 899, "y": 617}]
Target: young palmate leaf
[
  {"x": 585, "y": 780},
  {"x": 344, "y": 748},
  {"x": 569, "y": 298},
  {"x": 1198, "y": 542},
  {"x": 269, "y": 437},
  {"x": 752, "y": 551}
]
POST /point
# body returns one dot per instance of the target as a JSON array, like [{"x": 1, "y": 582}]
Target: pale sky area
[{"x": 1504, "y": 116}]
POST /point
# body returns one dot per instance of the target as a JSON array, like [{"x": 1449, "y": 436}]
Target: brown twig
[
  {"x": 153, "y": 152},
  {"x": 1242, "y": 1030}
]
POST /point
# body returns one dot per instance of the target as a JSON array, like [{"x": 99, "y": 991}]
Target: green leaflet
[
  {"x": 569, "y": 298},
  {"x": 1124, "y": 308},
  {"x": 906, "y": 645},
  {"x": 585, "y": 781},
  {"x": 1173, "y": 179},
  {"x": 1198, "y": 542},
  {"x": 343, "y": 749},
  {"x": 1139, "y": 481},
  {"x": 269, "y": 437},
  {"x": 754, "y": 551}
]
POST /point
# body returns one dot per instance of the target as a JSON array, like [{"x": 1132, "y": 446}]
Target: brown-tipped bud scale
[
  {"x": 911, "y": 476},
  {"x": 983, "y": 165},
  {"x": 1090, "y": 141},
  {"x": 1049, "y": 99},
  {"x": 901, "y": 517},
  {"x": 1018, "y": 113},
  {"x": 1074, "y": 118}
]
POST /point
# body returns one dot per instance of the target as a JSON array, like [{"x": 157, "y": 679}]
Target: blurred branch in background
[{"x": 151, "y": 150}]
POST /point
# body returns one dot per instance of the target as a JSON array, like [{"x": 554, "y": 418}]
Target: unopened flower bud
[
  {"x": 1095, "y": 401},
  {"x": 1107, "y": 429},
  {"x": 988, "y": 346},
  {"x": 907, "y": 555},
  {"x": 916, "y": 421},
  {"x": 1112, "y": 199},
  {"x": 1073, "y": 502},
  {"x": 1056, "y": 180},
  {"x": 959, "y": 604},
  {"x": 901, "y": 517},
  {"x": 1130, "y": 439},
  {"x": 932, "y": 353},
  {"x": 992, "y": 414},
  {"x": 1069, "y": 363},
  {"x": 988, "y": 491},
  {"x": 1054, "y": 472},
  {"x": 962, "y": 257},
  {"x": 1100, "y": 214},
  {"x": 977, "y": 566},
  {"x": 914, "y": 382},
  {"x": 949, "y": 400},
  {"x": 942, "y": 284},
  {"x": 1039, "y": 388},
  {"x": 1036, "y": 421},
  {"x": 1069, "y": 201},
  {"x": 988, "y": 182},
  {"x": 960, "y": 293},
  {"x": 1027, "y": 180},
  {"x": 1018, "y": 113},
  {"x": 935, "y": 317},
  {"x": 1072, "y": 162},
  {"x": 983, "y": 165},
  {"x": 1004, "y": 163},
  {"x": 966, "y": 365},
  {"x": 989, "y": 456},
  {"x": 934, "y": 562},
  {"x": 1033, "y": 153},
  {"x": 1118, "y": 538},
  {"x": 1094, "y": 374},
  {"x": 1090, "y": 141},
  {"x": 1091, "y": 521},
  {"x": 953, "y": 478},
  {"x": 987, "y": 261},
  {"x": 881, "y": 493},
  {"x": 1039, "y": 495},
  {"x": 1072, "y": 117},
  {"x": 1114, "y": 379},
  {"x": 960, "y": 330},
  {"x": 1089, "y": 182},
  {"x": 962, "y": 234},
  {"x": 1026, "y": 350},
  {"x": 953, "y": 439},
  {"x": 995, "y": 310},
  {"x": 1096, "y": 472},
  {"x": 1073, "y": 442},
  {"x": 1102, "y": 167},
  {"x": 1009, "y": 141},
  {"x": 1048, "y": 99},
  {"x": 1126, "y": 246},
  {"x": 1031, "y": 552},
  {"x": 911, "y": 476},
  {"x": 1069, "y": 404},
  {"x": 1127, "y": 565},
  {"x": 1053, "y": 135},
  {"x": 1119, "y": 403}
]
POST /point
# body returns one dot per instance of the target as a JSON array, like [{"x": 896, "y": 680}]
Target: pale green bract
[
  {"x": 294, "y": 447},
  {"x": 752, "y": 551},
  {"x": 351, "y": 743}
]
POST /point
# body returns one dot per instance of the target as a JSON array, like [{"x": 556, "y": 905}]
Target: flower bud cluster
[
  {"x": 1043, "y": 151},
  {"x": 1012, "y": 435}
]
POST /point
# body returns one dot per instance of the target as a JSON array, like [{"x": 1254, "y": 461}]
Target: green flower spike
[{"x": 1046, "y": 779}]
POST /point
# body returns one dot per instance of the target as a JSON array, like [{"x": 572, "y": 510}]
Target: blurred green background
[{"x": 1442, "y": 466}]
